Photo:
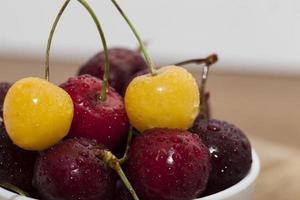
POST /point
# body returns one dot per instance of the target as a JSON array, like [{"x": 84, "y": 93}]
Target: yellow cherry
[
  {"x": 169, "y": 99},
  {"x": 37, "y": 114}
]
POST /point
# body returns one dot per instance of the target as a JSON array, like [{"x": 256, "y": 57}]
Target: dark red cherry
[
  {"x": 105, "y": 121},
  {"x": 168, "y": 164},
  {"x": 230, "y": 153},
  {"x": 71, "y": 170},
  {"x": 3, "y": 90},
  {"x": 124, "y": 63},
  {"x": 16, "y": 164}
]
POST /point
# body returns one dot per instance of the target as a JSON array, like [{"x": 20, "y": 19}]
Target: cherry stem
[
  {"x": 14, "y": 189},
  {"x": 129, "y": 138},
  {"x": 209, "y": 60},
  {"x": 150, "y": 63},
  {"x": 139, "y": 49},
  {"x": 114, "y": 163},
  {"x": 52, "y": 31},
  {"x": 103, "y": 95},
  {"x": 103, "y": 92}
]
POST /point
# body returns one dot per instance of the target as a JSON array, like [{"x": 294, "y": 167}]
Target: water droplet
[
  {"x": 79, "y": 160},
  {"x": 214, "y": 128},
  {"x": 93, "y": 142},
  {"x": 83, "y": 153},
  {"x": 171, "y": 170},
  {"x": 86, "y": 85},
  {"x": 235, "y": 150},
  {"x": 84, "y": 143},
  {"x": 170, "y": 160},
  {"x": 213, "y": 149},
  {"x": 73, "y": 166}
]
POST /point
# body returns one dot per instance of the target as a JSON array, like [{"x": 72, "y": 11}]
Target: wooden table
[{"x": 267, "y": 109}]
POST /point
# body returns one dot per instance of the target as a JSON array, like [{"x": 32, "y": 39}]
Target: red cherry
[
  {"x": 168, "y": 164},
  {"x": 105, "y": 121}
]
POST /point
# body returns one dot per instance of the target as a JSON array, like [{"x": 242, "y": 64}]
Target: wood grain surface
[{"x": 267, "y": 108}]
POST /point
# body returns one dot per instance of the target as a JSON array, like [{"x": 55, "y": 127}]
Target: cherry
[
  {"x": 124, "y": 63},
  {"x": 46, "y": 113},
  {"x": 105, "y": 121},
  {"x": 178, "y": 104},
  {"x": 16, "y": 164},
  {"x": 71, "y": 170},
  {"x": 230, "y": 153},
  {"x": 3, "y": 90},
  {"x": 168, "y": 164}
]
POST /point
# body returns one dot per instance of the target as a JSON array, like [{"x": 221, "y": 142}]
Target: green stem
[
  {"x": 103, "y": 92},
  {"x": 126, "y": 181},
  {"x": 129, "y": 138},
  {"x": 103, "y": 95},
  {"x": 139, "y": 49},
  {"x": 47, "y": 68},
  {"x": 142, "y": 45},
  {"x": 14, "y": 188},
  {"x": 114, "y": 163}
]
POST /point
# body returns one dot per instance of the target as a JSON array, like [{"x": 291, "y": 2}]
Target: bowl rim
[
  {"x": 229, "y": 192},
  {"x": 241, "y": 185}
]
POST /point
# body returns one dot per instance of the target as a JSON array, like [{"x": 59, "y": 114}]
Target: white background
[{"x": 249, "y": 35}]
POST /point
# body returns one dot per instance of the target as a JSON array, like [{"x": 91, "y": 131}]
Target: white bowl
[{"x": 241, "y": 191}]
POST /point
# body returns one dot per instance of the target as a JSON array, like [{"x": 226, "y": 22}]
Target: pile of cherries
[{"x": 117, "y": 132}]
